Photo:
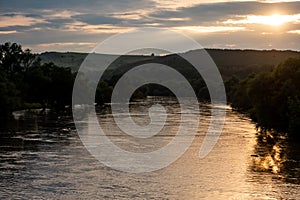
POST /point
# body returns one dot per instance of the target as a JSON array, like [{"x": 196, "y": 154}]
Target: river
[{"x": 42, "y": 157}]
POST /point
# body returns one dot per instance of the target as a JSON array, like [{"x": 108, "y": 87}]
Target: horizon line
[{"x": 205, "y": 48}]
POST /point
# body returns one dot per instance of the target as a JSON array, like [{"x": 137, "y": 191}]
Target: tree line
[
  {"x": 271, "y": 98},
  {"x": 26, "y": 83}
]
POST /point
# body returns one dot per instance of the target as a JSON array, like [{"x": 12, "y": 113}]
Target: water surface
[{"x": 42, "y": 157}]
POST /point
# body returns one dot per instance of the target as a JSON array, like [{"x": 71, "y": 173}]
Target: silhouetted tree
[
  {"x": 272, "y": 98},
  {"x": 24, "y": 81}
]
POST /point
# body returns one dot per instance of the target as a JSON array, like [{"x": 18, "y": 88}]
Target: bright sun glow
[{"x": 271, "y": 20}]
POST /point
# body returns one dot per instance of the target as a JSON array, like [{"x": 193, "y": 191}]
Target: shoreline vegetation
[
  {"x": 272, "y": 99},
  {"x": 263, "y": 84}
]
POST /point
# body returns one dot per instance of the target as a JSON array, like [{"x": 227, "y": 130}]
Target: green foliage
[
  {"x": 25, "y": 83},
  {"x": 294, "y": 119},
  {"x": 231, "y": 86},
  {"x": 271, "y": 98},
  {"x": 9, "y": 99},
  {"x": 61, "y": 85},
  {"x": 103, "y": 93},
  {"x": 238, "y": 95}
]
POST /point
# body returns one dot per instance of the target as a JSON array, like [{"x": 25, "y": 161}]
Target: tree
[
  {"x": 9, "y": 99},
  {"x": 24, "y": 81},
  {"x": 272, "y": 98}
]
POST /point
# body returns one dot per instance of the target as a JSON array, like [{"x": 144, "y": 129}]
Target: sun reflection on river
[
  {"x": 272, "y": 154},
  {"x": 270, "y": 162},
  {"x": 42, "y": 156}
]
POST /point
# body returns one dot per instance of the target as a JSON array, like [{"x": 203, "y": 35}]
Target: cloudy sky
[{"x": 78, "y": 25}]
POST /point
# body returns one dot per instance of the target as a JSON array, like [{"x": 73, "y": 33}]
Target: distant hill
[
  {"x": 240, "y": 63},
  {"x": 74, "y": 60},
  {"x": 250, "y": 57},
  {"x": 68, "y": 59}
]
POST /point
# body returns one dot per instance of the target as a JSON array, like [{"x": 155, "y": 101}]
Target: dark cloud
[
  {"x": 52, "y": 36},
  {"x": 95, "y": 19},
  {"x": 24, "y": 29},
  {"x": 96, "y": 12},
  {"x": 59, "y": 21},
  {"x": 8, "y": 15},
  {"x": 13, "y": 14},
  {"x": 52, "y": 27},
  {"x": 76, "y": 5},
  {"x": 13, "y": 28},
  {"x": 215, "y": 12}
]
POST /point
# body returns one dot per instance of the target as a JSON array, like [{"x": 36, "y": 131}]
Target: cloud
[
  {"x": 294, "y": 32},
  {"x": 99, "y": 6},
  {"x": 178, "y": 4},
  {"x": 210, "y": 29},
  {"x": 94, "y": 29},
  {"x": 18, "y": 20},
  {"x": 61, "y": 14},
  {"x": 61, "y": 46},
  {"x": 95, "y": 19},
  {"x": 277, "y": 1},
  {"x": 7, "y": 32},
  {"x": 215, "y": 12},
  {"x": 248, "y": 40},
  {"x": 76, "y": 23}
]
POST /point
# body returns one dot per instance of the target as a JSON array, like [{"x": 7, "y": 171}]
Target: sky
[{"x": 79, "y": 25}]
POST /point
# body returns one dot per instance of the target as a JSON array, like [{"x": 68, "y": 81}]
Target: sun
[
  {"x": 271, "y": 20},
  {"x": 275, "y": 19}
]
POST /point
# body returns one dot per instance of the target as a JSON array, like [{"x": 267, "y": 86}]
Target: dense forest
[
  {"x": 272, "y": 99},
  {"x": 269, "y": 93},
  {"x": 26, "y": 83}
]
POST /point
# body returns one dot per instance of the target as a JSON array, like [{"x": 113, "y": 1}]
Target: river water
[{"x": 42, "y": 157}]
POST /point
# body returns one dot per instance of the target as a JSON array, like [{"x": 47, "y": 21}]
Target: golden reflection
[
  {"x": 269, "y": 155},
  {"x": 276, "y": 154}
]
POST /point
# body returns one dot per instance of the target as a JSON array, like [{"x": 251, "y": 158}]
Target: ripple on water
[{"x": 46, "y": 159}]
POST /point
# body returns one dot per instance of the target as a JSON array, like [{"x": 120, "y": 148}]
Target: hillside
[
  {"x": 240, "y": 63},
  {"x": 74, "y": 60}
]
